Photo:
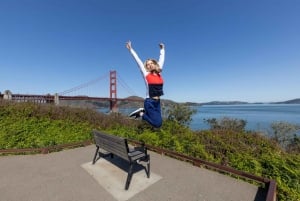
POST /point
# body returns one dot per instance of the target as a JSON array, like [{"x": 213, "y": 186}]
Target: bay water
[{"x": 259, "y": 117}]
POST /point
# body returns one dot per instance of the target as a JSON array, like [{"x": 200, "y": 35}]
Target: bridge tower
[{"x": 113, "y": 91}]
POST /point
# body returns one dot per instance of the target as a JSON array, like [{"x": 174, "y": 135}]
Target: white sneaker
[{"x": 136, "y": 113}]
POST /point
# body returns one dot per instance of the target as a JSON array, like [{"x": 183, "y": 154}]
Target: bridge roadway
[
  {"x": 60, "y": 176},
  {"x": 50, "y": 98}
]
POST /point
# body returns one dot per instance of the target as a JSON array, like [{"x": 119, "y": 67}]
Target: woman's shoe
[{"x": 136, "y": 113}]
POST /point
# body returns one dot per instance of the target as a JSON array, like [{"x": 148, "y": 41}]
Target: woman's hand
[
  {"x": 128, "y": 45},
  {"x": 161, "y": 45}
]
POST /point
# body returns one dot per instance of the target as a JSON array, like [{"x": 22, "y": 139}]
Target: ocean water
[{"x": 259, "y": 117}]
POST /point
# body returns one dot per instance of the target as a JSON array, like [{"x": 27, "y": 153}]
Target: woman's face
[{"x": 150, "y": 65}]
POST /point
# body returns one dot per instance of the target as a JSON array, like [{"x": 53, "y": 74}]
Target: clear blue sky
[{"x": 216, "y": 50}]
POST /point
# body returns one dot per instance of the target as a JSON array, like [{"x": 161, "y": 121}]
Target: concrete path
[{"x": 67, "y": 176}]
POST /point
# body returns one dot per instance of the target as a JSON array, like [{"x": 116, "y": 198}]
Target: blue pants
[{"x": 152, "y": 112}]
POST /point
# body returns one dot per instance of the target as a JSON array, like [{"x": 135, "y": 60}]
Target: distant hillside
[
  {"x": 225, "y": 103},
  {"x": 293, "y": 101},
  {"x": 140, "y": 102},
  {"x": 134, "y": 98}
]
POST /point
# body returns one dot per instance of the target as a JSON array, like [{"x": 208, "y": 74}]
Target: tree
[
  {"x": 226, "y": 123},
  {"x": 285, "y": 133},
  {"x": 294, "y": 146},
  {"x": 180, "y": 113}
]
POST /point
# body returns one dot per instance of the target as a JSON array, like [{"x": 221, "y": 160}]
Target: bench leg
[
  {"x": 95, "y": 156},
  {"x": 148, "y": 167},
  {"x": 129, "y": 176},
  {"x": 147, "y": 160}
]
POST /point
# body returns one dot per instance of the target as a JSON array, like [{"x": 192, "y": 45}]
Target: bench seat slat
[{"x": 136, "y": 155}]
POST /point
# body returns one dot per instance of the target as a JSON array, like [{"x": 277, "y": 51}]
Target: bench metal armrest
[{"x": 135, "y": 153}]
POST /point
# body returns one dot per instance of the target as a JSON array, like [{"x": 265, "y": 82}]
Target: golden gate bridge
[{"x": 62, "y": 96}]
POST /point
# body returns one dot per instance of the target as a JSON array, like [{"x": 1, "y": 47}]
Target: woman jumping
[{"x": 151, "y": 71}]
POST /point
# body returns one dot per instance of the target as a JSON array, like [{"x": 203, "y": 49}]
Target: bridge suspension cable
[
  {"x": 125, "y": 86},
  {"x": 83, "y": 85}
]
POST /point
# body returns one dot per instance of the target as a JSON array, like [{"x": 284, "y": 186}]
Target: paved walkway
[{"x": 60, "y": 176}]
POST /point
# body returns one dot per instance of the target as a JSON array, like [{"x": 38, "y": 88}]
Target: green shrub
[{"x": 227, "y": 123}]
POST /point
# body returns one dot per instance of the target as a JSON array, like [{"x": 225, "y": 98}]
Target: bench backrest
[{"x": 111, "y": 143}]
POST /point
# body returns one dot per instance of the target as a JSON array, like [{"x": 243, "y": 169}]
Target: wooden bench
[{"x": 115, "y": 145}]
